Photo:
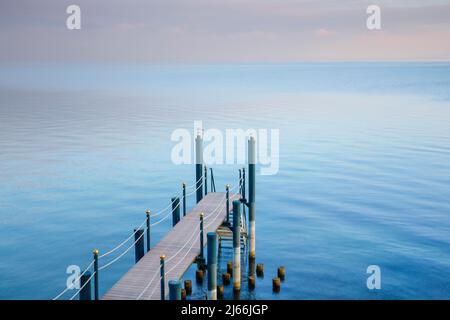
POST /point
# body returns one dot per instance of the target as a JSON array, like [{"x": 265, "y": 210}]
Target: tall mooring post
[
  {"x": 199, "y": 167},
  {"x": 212, "y": 266},
  {"x": 237, "y": 245},
  {"x": 251, "y": 195}
]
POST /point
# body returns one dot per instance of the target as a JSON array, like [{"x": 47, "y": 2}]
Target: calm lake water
[{"x": 364, "y": 173}]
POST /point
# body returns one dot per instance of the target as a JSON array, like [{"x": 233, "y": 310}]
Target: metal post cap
[
  {"x": 162, "y": 257},
  {"x": 184, "y": 184},
  {"x": 201, "y": 214},
  {"x": 95, "y": 252},
  {"x": 147, "y": 212}
]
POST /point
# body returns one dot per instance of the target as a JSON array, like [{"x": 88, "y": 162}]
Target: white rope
[
  {"x": 72, "y": 285},
  {"x": 122, "y": 243},
  {"x": 148, "y": 285},
  {"x": 154, "y": 289},
  {"x": 195, "y": 183},
  {"x": 161, "y": 220},
  {"x": 82, "y": 286},
  {"x": 170, "y": 205},
  {"x": 123, "y": 253},
  {"x": 192, "y": 192}
]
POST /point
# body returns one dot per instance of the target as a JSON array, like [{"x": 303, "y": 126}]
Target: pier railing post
[
  {"x": 85, "y": 284},
  {"x": 148, "y": 229},
  {"x": 240, "y": 181},
  {"x": 243, "y": 183},
  {"x": 201, "y": 258},
  {"x": 212, "y": 266},
  {"x": 163, "y": 282},
  {"x": 96, "y": 295},
  {"x": 184, "y": 199},
  {"x": 227, "y": 188},
  {"x": 138, "y": 244},
  {"x": 206, "y": 180},
  {"x": 174, "y": 290},
  {"x": 251, "y": 195},
  {"x": 175, "y": 211},
  {"x": 199, "y": 167},
  {"x": 236, "y": 245}
]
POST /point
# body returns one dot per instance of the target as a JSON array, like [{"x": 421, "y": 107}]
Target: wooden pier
[
  {"x": 157, "y": 273},
  {"x": 180, "y": 246}
]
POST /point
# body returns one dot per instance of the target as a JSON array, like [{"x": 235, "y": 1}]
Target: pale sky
[{"x": 196, "y": 31}]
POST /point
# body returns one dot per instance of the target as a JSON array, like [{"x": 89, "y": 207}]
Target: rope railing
[
  {"x": 72, "y": 285},
  {"x": 123, "y": 242},
  {"x": 171, "y": 203},
  {"x": 120, "y": 245},
  {"x": 122, "y": 254},
  {"x": 193, "y": 185},
  {"x": 153, "y": 224},
  {"x": 79, "y": 290}
]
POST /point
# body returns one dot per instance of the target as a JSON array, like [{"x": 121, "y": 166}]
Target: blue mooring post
[
  {"x": 175, "y": 211},
  {"x": 184, "y": 199},
  {"x": 199, "y": 167},
  {"x": 237, "y": 245},
  {"x": 85, "y": 283},
  {"x": 163, "y": 282},
  {"x": 96, "y": 296},
  {"x": 174, "y": 290},
  {"x": 251, "y": 195},
  {"x": 212, "y": 266},
  {"x": 206, "y": 180},
  {"x": 148, "y": 229},
  {"x": 138, "y": 244},
  {"x": 227, "y": 188}
]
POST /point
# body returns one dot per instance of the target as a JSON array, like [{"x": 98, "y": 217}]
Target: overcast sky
[{"x": 223, "y": 31}]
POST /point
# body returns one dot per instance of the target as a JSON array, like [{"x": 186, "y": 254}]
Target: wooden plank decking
[{"x": 181, "y": 245}]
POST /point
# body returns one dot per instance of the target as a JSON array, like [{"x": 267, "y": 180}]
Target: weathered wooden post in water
[
  {"x": 175, "y": 211},
  {"x": 212, "y": 266},
  {"x": 251, "y": 195},
  {"x": 85, "y": 284},
  {"x": 199, "y": 167},
  {"x": 138, "y": 244},
  {"x": 237, "y": 245},
  {"x": 174, "y": 290}
]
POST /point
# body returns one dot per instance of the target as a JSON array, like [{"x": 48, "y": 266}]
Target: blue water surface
[{"x": 364, "y": 170}]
